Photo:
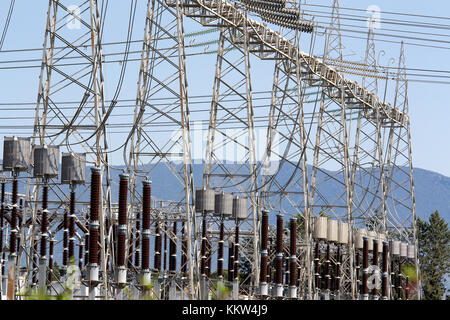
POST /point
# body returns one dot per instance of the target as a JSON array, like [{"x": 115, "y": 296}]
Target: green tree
[{"x": 434, "y": 255}]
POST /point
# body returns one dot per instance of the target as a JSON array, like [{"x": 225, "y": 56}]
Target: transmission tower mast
[
  {"x": 74, "y": 30},
  {"x": 401, "y": 210},
  {"x": 163, "y": 75},
  {"x": 231, "y": 164},
  {"x": 332, "y": 155}
]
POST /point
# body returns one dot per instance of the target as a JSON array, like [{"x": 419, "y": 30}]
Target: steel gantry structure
[{"x": 335, "y": 169}]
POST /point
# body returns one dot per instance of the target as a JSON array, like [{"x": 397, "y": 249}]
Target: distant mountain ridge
[{"x": 432, "y": 190}]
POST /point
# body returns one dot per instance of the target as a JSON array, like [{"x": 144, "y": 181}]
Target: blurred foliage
[{"x": 434, "y": 255}]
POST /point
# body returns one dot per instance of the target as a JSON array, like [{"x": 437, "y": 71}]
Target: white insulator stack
[
  {"x": 320, "y": 228},
  {"x": 395, "y": 247},
  {"x": 332, "y": 231},
  {"x": 411, "y": 251},
  {"x": 404, "y": 250},
  {"x": 343, "y": 233}
]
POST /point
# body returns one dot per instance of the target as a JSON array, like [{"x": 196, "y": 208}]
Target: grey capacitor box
[
  {"x": 16, "y": 154},
  {"x": 73, "y": 168},
  {"x": 46, "y": 161},
  {"x": 240, "y": 208},
  {"x": 223, "y": 204},
  {"x": 204, "y": 200}
]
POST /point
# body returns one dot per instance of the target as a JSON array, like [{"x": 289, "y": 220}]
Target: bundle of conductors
[{"x": 274, "y": 11}]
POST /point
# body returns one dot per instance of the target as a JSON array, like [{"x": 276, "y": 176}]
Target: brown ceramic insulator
[
  {"x": 279, "y": 270},
  {"x": 317, "y": 266},
  {"x": 65, "y": 239},
  {"x": 293, "y": 252},
  {"x": 337, "y": 279},
  {"x": 123, "y": 196},
  {"x": 293, "y": 238},
  {"x": 165, "y": 247},
  {"x": 365, "y": 286},
  {"x": 264, "y": 241},
  {"x": 385, "y": 268},
  {"x": 95, "y": 194},
  {"x": 236, "y": 253},
  {"x": 173, "y": 249},
  {"x": 45, "y": 197},
  {"x": 375, "y": 261},
  {"x": 13, "y": 242},
  {"x": 158, "y": 247},
  {"x": 146, "y": 205},
  {"x": 93, "y": 245},
  {"x": 72, "y": 226},
  {"x": 44, "y": 224},
  {"x": 13, "y": 236},
  {"x": 203, "y": 248},
  {"x": 264, "y": 230},
  {"x": 94, "y": 216},
  {"x": 279, "y": 233},
  {"x": 264, "y": 268},
  {"x": 293, "y": 273},
  {"x": 145, "y": 253},
  {"x": 279, "y": 251},
  {"x": 220, "y": 250},
  {"x": 230, "y": 260},
  {"x": 137, "y": 245},
  {"x": 122, "y": 217},
  {"x": 121, "y": 249}
]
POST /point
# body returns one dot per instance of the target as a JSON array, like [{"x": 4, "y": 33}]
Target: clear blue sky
[{"x": 429, "y": 103}]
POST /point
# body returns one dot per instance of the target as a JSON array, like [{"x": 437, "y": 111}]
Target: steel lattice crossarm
[
  {"x": 276, "y": 12},
  {"x": 269, "y": 44}
]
